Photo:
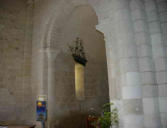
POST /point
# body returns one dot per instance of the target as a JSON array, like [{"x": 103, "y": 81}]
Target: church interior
[{"x": 61, "y": 61}]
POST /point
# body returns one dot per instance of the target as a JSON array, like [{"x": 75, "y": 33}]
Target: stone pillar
[
  {"x": 159, "y": 55},
  {"x": 146, "y": 65},
  {"x": 127, "y": 76},
  {"x": 51, "y": 57},
  {"x": 39, "y": 70},
  {"x": 39, "y": 79}
]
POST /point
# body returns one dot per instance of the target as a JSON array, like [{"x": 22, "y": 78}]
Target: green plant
[{"x": 109, "y": 116}]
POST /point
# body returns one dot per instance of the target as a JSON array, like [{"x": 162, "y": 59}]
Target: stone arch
[
  {"x": 57, "y": 16},
  {"x": 62, "y": 21},
  {"x": 51, "y": 53},
  {"x": 46, "y": 14},
  {"x": 96, "y": 5},
  {"x": 101, "y": 8}
]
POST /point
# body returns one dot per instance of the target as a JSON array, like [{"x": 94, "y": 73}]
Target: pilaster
[
  {"x": 159, "y": 53},
  {"x": 123, "y": 65},
  {"x": 146, "y": 65}
]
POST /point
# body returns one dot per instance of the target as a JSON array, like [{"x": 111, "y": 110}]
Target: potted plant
[{"x": 108, "y": 118}]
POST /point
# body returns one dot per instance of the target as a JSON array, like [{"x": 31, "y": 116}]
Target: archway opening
[{"x": 65, "y": 109}]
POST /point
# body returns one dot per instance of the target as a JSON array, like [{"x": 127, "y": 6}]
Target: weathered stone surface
[
  {"x": 35, "y": 60},
  {"x": 15, "y": 70}
]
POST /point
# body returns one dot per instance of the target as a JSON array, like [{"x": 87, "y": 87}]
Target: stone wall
[
  {"x": 135, "y": 38},
  {"x": 162, "y": 60},
  {"x": 15, "y": 64},
  {"x": 56, "y": 74},
  {"x": 137, "y": 34},
  {"x": 64, "y": 107}
]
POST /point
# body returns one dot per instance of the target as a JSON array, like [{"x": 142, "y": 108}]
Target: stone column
[
  {"x": 39, "y": 70},
  {"x": 39, "y": 76},
  {"x": 146, "y": 65},
  {"x": 127, "y": 73},
  {"x": 43, "y": 77},
  {"x": 159, "y": 55},
  {"x": 51, "y": 57}
]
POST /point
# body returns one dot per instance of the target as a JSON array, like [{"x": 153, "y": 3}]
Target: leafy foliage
[{"x": 109, "y": 116}]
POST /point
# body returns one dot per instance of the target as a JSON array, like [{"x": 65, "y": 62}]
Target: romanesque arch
[
  {"x": 60, "y": 30},
  {"x": 130, "y": 33}
]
